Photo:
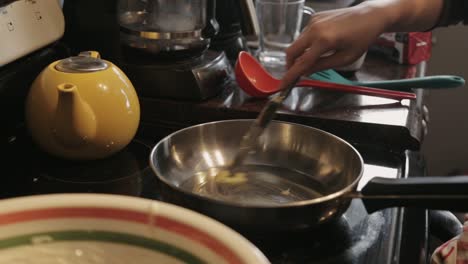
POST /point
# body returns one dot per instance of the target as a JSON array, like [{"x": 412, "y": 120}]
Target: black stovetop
[
  {"x": 355, "y": 238},
  {"x": 388, "y": 236}
]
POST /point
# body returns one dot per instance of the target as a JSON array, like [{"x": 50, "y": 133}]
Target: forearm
[{"x": 407, "y": 15}]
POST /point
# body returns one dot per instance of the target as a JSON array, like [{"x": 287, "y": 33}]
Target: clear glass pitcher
[{"x": 167, "y": 26}]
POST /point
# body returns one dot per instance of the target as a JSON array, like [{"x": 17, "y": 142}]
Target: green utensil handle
[{"x": 429, "y": 82}]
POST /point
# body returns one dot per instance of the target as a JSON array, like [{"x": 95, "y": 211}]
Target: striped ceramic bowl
[{"x": 100, "y": 228}]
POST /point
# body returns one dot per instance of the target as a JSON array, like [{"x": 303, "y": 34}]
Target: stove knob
[
  {"x": 424, "y": 128},
  {"x": 425, "y": 113}
]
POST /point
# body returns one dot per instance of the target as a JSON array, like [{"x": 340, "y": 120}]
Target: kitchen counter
[{"x": 390, "y": 124}]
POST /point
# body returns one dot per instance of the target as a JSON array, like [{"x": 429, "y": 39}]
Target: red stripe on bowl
[
  {"x": 197, "y": 235},
  {"x": 92, "y": 212},
  {"x": 168, "y": 224}
]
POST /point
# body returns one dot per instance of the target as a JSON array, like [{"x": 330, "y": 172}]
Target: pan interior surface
[
  {"x": 292, "y": 163},
  {"x": 262, "y": 185}
]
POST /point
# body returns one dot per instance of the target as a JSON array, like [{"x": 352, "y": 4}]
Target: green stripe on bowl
[{"x": 102, "y": 236}]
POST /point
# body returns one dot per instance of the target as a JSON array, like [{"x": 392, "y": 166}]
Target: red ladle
[{"x": 257, "y": 82}]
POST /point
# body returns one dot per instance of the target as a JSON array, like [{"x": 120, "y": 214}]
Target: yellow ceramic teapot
[{"x": 82, "y": 108}]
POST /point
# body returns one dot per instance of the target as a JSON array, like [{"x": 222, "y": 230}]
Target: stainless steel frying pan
[{"x": 298, "y": 177}]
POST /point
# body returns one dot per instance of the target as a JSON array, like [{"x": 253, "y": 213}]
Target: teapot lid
[{"x": 88, "y": 61}]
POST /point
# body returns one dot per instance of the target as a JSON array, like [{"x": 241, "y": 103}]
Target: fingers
[
  {"x": 296, "y": 49},
  {"x": 339, "y": 58},
  {"x": 307, "y": 50},
  {"x": 302, "y": 63},
  {"x": 310, "y": 63},
  {"x": 316, "y": 38}
]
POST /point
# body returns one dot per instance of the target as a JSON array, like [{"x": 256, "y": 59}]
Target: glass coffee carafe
[{"x": 170, "y": 28}]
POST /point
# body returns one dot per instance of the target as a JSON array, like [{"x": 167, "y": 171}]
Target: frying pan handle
[
  {"x": 441, "y": 193},
  {"x": 444, "y": 225}
]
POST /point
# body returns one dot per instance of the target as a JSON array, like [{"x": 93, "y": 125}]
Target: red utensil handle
[{"x": 397, "y": 95}]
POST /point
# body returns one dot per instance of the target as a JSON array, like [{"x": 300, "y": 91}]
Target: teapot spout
[{"x": 74, "y": 122}]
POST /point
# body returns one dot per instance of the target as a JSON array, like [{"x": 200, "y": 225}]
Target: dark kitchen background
[{"x": 446, "y": 144}]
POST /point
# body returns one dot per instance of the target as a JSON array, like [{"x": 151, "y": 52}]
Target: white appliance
[{"x": 28, "y": 25}]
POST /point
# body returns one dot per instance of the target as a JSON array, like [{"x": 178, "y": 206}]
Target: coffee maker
[
  {"x": 164, "y": 48},
  {"x": 238, "y": 23},
  {"x": 198, "y": 72}
]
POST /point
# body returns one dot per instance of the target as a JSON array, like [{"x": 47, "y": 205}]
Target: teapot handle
[{"x": 91, "y": 53}]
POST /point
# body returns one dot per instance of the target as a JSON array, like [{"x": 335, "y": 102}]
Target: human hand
[
  {"x": 347, "y": 33},
  {"x": 344, "y": 33}
]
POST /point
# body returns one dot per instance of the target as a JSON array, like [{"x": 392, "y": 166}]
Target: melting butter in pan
[{"x": 225, "y": 176}]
